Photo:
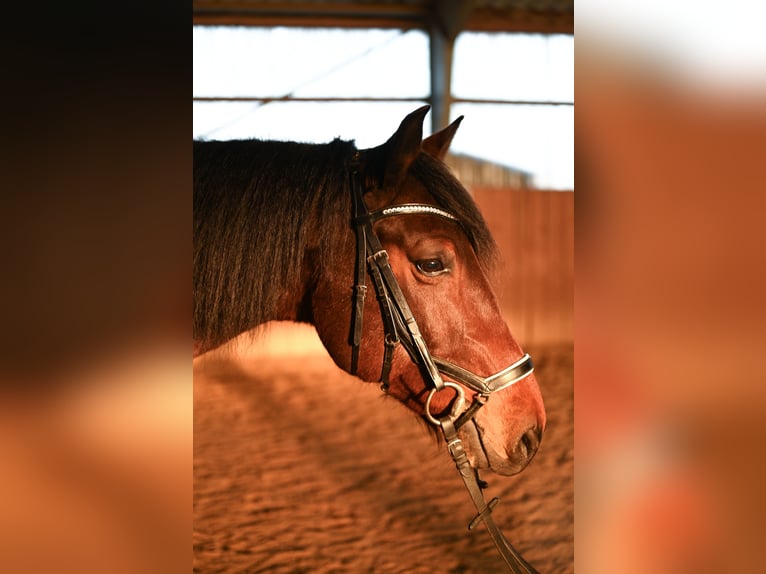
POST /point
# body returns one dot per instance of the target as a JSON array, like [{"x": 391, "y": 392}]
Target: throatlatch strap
[
  {"x": 360, "y": 291},
  {"x": 360, "y": 285}
]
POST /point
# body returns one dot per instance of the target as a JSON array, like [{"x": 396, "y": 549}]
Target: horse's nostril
[{"x": 530, "y": 441}]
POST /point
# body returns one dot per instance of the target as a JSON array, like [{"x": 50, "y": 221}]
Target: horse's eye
[{"x": 430, "y": 267}]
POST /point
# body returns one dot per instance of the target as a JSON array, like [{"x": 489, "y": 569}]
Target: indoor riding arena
[{"x": 300, "y": 467}]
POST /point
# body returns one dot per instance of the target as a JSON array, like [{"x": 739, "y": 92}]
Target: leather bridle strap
[
  {"x": 364, "y": 233},
  {"x": 403, "y": 314},
  {"x": 497, "y": 382},
  {"x": 387, "y": 287},
  {"x": 511, "y": 557},
  {"x": 484, "y": 387},
  {"x": 360, "y": 291}
]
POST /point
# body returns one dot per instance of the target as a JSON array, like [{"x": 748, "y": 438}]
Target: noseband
[{"x": 400, "y": 326}]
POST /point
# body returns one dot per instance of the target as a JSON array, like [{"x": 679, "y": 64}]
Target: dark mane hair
[
  {"x": 258, "y": 208},
  {"x": 254, "y": 202}
]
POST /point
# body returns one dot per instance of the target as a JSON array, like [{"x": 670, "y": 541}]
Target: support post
[
  {"x": 441, "y": 78},
  {"x": 447, "y": 19}
]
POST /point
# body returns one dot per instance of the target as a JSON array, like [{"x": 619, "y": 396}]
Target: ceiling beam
[
  {"x": 309, "y": 14},
  {"x": 382, "y": 15},
  {"x": 518, "y": 20}
]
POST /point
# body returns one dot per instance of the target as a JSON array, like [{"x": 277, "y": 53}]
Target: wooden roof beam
[
  {"x": 446, "y": 14},
  {"x": 315, "y": 14}
]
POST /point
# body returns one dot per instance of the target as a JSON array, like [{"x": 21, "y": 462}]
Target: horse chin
[{"x": 482, "y": 458}]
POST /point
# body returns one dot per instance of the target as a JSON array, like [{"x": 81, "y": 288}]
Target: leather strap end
[{"x": 360, "y": 291}]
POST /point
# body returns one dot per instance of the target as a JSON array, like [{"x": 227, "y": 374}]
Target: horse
[{"x": 308, "y": 232}]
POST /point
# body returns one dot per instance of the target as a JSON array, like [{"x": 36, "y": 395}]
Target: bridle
[{"x": 400, "y": 326}]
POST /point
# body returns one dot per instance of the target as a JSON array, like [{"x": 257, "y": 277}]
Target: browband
[{"x": 411, "y": 208}]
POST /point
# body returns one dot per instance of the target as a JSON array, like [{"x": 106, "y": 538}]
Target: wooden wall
[{"x": 535, "y": 282}]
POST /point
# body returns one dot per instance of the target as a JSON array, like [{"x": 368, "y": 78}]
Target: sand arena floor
[{"x": 300, "y": 468}]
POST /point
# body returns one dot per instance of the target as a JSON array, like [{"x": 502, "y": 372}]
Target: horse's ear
[
  {"x": 403, "y": 147},
  {"x": 437, "y": 145}
]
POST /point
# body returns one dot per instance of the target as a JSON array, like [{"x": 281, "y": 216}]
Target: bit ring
[{"x": 457, "y": 405}]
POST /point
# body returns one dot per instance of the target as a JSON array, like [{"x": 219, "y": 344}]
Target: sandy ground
[{"x": 299, "y": 467}]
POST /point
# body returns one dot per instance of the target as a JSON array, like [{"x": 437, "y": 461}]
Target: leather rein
[{"x": 400, "y": 327}]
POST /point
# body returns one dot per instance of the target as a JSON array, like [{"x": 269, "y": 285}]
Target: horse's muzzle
[{"x": 485, "y": 453}]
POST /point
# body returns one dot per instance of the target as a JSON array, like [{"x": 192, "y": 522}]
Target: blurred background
[{"x": 670, "y": 275}]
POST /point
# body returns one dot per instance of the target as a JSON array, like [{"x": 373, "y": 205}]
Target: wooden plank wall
[{"x": 535, "y": 283}]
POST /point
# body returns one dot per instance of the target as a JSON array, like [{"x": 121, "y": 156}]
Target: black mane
[{"x": 259, "y": 206}]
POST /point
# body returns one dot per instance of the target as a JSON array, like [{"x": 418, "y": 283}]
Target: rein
[{"x": 400, "y": 326}]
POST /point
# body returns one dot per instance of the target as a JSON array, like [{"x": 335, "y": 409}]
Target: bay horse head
[
  {"x": 414, "y": 215},
  {"x": 388, "y": 256}
]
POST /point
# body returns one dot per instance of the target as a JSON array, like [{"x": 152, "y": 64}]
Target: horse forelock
[{"x": 450, "y": 194}]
